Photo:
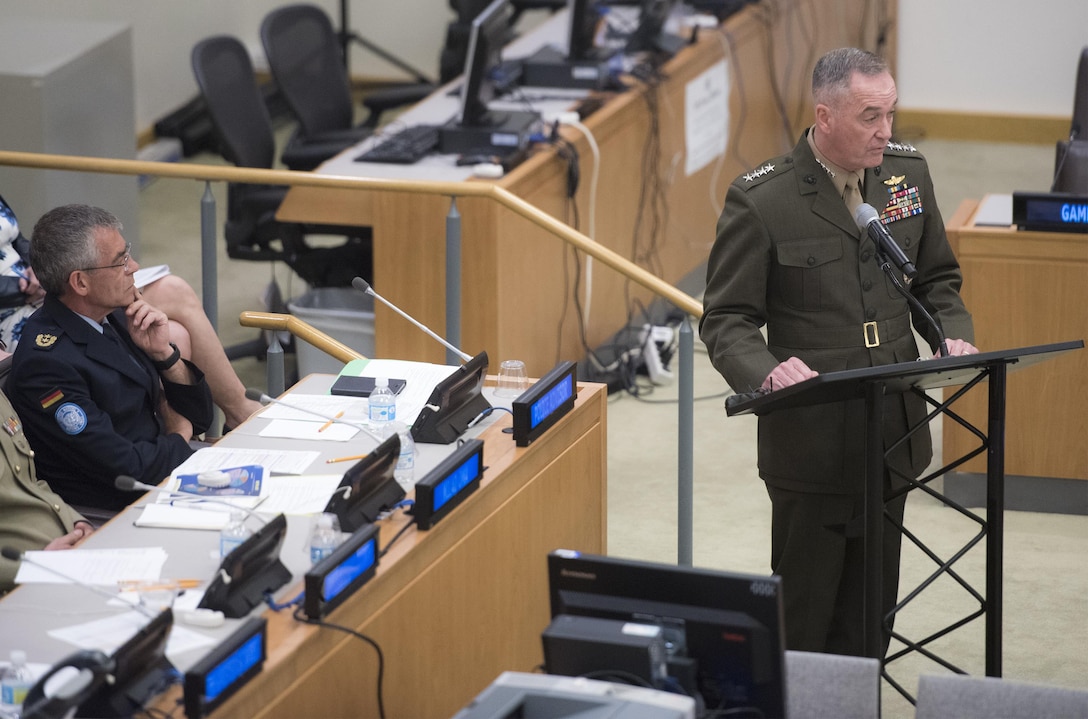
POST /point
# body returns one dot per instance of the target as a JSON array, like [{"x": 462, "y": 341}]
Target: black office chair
[
  {"x": 307, "y": 64},
  {"x": 1071, "y": 157},
  {"x": 243, "y": 129}
]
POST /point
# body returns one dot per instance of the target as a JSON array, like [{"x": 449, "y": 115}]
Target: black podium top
[{"x": 897, "y": 378}]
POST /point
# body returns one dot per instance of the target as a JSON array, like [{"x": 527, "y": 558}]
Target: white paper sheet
[{"x": 106, "y": 567}]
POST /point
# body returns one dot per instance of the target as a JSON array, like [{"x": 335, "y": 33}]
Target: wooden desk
[
  {"x": 1027, "y": 288},
  {"x": 452, "y": 607},
  {"x": 518, "y": 281}
]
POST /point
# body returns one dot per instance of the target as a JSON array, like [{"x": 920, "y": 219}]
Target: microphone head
[
  {"x": 362, "y": 285},
  {"x": 125, "y": 483},
  {"x": 865, "y": 215},
  {"x": 256, "y": 395},
  {"x": 11, "y": 553}
]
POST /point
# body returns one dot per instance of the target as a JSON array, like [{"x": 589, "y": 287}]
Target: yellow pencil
[
  {"x": 131, "y": 585},
  {"x": 329, "y": 423},
  {"x": 353, "y": 458}
]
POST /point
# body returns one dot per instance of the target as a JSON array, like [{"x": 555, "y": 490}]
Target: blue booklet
[{"x": 234, "y": 482}]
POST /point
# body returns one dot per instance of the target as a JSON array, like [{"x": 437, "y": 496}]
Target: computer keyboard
[{"x": 404, "y": 147}]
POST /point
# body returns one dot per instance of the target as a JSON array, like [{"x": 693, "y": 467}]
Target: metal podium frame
[{"x": 872, "y": 384}]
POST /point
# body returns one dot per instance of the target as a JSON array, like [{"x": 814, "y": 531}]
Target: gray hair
[
  {"x": 63, "y": 242},
  {"x": 833, "y": 71}
]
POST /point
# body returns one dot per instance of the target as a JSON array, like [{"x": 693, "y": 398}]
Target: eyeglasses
[{"x": 123, "y": 263}]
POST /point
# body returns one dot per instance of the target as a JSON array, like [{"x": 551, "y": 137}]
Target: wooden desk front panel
[
  {"x": 1027, "y": 288},
  {"x": 453, "y": 607}
]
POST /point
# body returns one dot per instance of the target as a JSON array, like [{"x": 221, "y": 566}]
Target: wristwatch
[{"x": 163, "y": 365}]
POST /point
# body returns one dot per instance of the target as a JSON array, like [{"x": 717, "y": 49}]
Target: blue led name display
[
  {"x": 457, "y": 480},
  {"x": 1074, "y": 213},
  {"x": 551, "y": 401},
  {"x": 234, "y": 666},
  {"x": 345, "y": 573}
]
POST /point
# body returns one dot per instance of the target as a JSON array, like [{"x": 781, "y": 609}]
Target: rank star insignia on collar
[
  {"x": 45, "y": 340},
  {"x": 756, "y": 174}
]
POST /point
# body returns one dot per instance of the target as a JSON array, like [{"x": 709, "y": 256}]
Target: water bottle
[
  {"x": 382, "y": 402},
  {"x": 14, "y": 684},
  {"x": 404, "y": 472},
  {"x": 324, "y": 538},
  {"x": 233, "y": 534}
]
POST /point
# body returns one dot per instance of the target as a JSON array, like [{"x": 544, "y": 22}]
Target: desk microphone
[
  {"x": 258, "y": 396},
  {"x": 15, "y": 555},
  {"x": 867, "y": 219},
  {"x": 129, "y": 484},
  {"x": 363, "y": 286}
]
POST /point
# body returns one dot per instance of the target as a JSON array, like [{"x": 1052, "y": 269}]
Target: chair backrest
[
  {"x": 963, "y": 697},
  {"x": 5, "y": 370},
  {"x": 307, "y": 64},
  {"x": 831, "y": 685},
  {"x": 224, "y": 74}
]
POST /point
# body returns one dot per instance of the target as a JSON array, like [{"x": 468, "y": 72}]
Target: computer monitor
[
  {"x": 368, "y": 488},
  {"x": 723, "y": 630},
  {"x": 650, "y": 35},
  {"x": 454, "y": 402},
  {"x": 477, "y": 127},
  {"x": 584, "y": 18},
  {"x": 140, "y": 672},
  {"x": 249, "y": 571}
]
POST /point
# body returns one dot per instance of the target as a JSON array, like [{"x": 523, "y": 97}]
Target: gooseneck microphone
[
  {"x": 867, "y": 218},
  {"x": 258, "y": 396},
  {"x": 129, "y": 484},
  {"x": 363, "y": 286},
  {"x": 15, "y": 555}
]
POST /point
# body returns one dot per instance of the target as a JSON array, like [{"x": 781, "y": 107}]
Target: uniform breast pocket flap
[{"x": 810, "y": 272}]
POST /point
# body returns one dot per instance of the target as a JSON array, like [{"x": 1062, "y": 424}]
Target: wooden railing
[{"x": 215, "y": 173}]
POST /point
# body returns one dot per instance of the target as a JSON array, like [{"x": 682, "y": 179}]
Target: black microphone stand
[
  {"x": 890, "y": 271},
  {"x": 347, "y": 36}
]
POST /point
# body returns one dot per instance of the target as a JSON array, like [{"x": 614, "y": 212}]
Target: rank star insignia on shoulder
[
  {"x": 758, "y": 173},
  {"x": 901, "y": 147}
]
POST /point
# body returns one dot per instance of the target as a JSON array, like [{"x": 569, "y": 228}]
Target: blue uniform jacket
[{"x": 90, "y": 410}]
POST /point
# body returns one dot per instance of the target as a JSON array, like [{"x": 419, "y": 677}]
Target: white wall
[
  {"x": 164, "y": 32},
  {"x": 1007, "y": 57},
  {"x": 988, "y": 56}
]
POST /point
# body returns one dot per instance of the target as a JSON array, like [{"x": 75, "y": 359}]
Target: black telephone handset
[{"x": 84, "y": 672}]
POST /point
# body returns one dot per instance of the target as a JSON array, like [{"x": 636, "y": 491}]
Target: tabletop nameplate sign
[
  {"x": 448, "y": 484},
  {"x": 545, "y": 403}
]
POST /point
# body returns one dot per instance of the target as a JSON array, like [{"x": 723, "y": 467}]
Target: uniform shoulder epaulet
[
  {"x": 47, "y": 340},
  {"x": 901, "y": 149},
  {"x": 759, "y": 175}
]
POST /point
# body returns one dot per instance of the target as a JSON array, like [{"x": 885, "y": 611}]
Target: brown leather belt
[{"x": 868, "y": 334}]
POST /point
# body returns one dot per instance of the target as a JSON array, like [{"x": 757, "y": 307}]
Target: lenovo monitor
[{"x": 722, "y": 630}]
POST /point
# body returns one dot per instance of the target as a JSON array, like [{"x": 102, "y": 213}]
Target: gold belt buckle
[{"x": 872, "y": 334}]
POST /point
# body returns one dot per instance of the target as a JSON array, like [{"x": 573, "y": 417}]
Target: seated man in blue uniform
[{"x": 99, "y": 400}]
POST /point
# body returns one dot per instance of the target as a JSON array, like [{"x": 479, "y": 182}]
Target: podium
[{"x": 873, "y": 384}]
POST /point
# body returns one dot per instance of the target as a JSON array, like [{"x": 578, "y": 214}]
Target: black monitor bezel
[
  {"x": 373, "y": 487},
  {"x": 487, "y": 37},
  {"x": 250, "y": 570},
  {"x": 613, "y": 588},
  {"x": 581, "y": 34}
]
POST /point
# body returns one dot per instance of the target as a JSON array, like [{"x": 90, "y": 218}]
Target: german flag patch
[{"x": 51, "y": 398}]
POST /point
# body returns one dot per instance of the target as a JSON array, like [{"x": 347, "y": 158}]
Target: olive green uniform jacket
[
  {"x": 789, "y": 258},
  {"x": 31, "y": 514}
]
